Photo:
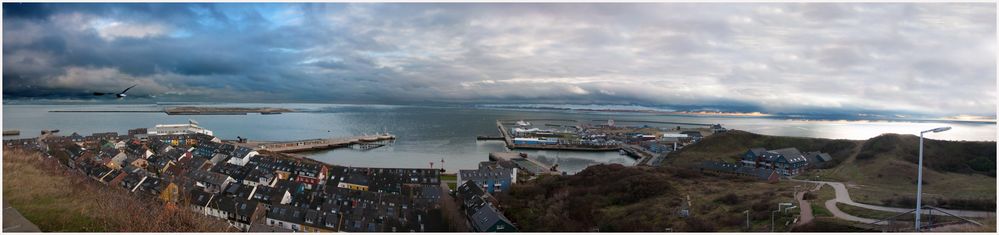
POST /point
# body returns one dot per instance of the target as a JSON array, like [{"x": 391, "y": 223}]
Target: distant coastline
[{"x": 190, "y": 110}]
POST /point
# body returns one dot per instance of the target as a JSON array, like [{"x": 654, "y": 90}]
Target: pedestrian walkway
[
  {"x": 806, "y": 207},
  {"x": 13, "y": 221},
  {"x": 843, "y": 196}
]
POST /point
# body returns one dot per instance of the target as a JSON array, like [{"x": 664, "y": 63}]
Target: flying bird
[{"x": 119, "y": 95}]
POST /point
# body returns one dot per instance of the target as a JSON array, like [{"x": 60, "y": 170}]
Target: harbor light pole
[{"x": 919, "y": 181}]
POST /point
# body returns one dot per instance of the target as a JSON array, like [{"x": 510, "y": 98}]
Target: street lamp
[
  {"x": 919, "y": 179},
  {"x": 747, "y": 219}
]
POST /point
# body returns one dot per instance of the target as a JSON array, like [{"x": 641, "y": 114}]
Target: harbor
[{"x": 646, "y": 144}]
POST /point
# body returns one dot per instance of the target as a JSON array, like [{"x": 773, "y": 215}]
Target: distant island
[{"x": 191, "y": 110}]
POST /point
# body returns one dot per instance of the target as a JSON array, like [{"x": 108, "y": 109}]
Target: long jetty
[{"x": 317, "y": 144}]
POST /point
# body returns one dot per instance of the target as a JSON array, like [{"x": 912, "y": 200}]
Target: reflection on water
[{"x": 429, "y": 134}]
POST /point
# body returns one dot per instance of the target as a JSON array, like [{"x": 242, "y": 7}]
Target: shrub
[{"x": 728, "y": 199}]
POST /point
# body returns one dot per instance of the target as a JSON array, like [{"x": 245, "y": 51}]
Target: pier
[
  {"x": 485, "y": 137},
  {"x": 319, "y": 144},
  {"x": 638, "y": 153},
  {"x": 505, "y": 134}
]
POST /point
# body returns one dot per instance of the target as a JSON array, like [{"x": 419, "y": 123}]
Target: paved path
[
  {"x": 452, "y": 211},
  {"x": 843, "y": 196},
  {"x": 13, "y": 221},
  {"x": 806, "y": 207}
]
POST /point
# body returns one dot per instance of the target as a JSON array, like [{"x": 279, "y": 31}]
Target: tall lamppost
[{"x": 919, "y": 179}]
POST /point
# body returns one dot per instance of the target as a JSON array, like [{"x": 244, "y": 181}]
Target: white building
[
  {"x": 674, "y": 135},
  {"x": 178, "y": 129}
]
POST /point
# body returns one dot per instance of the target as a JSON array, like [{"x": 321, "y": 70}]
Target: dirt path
[{"x": 849, "y": 160}]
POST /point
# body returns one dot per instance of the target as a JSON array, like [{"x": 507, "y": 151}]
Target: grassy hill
[
  {"x": 958, "y": 174},
  {"x": 881, "y": 170},
  {"x": 58, "y": 200},
  {"x": 965, "y": 157}
]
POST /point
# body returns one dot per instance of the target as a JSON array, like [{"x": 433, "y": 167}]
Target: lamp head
[{"x": 940, "y": 129}]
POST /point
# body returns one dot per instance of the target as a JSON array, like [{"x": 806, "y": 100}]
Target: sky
[{"x": 926, "y": 58}]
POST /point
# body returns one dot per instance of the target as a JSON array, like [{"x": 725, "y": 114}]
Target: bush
[
  {"x": 697, "y": 225},
  {"x": 728, "y": 199}
]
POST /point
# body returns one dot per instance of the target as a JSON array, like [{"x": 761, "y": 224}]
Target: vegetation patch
[
  {"x": 57, "y": 199},
  {"x": 617, "y": 198}
]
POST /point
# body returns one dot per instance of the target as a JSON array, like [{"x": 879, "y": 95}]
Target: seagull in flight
[{"x": 119, "y": 95}]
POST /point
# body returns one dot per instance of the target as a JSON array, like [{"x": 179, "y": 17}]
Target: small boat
[
  {"x": 523, "y": 155},
  {"x": 523, "y": 123}
]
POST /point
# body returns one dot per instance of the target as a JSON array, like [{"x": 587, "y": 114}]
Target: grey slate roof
[
  {"x": 791, "y": 154},
  {"x": 759, "y": 173},
  {"x": 486, "y": 217},
  {"x": 758, "y": 151}
]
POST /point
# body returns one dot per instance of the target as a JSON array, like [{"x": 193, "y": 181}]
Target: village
[{"x": 259, "y": 190}]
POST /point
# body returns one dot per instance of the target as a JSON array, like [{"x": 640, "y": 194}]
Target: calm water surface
[{"x": 430, "y": 134}]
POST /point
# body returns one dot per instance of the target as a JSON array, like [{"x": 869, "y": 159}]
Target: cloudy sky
[{"x": 928, "y": 58}]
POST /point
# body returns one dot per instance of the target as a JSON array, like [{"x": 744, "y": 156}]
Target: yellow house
[
  {"x": 352, "y": 186},
  {"x": 354, "y": 182},
  {"x": 171, "y": 193}
]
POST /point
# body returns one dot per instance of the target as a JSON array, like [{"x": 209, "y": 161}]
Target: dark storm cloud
[{"x": 930, "y": 58}]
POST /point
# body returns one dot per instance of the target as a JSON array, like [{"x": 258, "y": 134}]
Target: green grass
[
  {"x": 819, "y": 210},
  {"x": 450, "y": 177}
]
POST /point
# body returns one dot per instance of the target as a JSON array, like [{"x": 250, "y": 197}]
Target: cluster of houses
[
  {"x": 252, "y": 191},
  {"x": 480, "y": 209},
  {"x": 770, "y": 164},
  {"x": 475, "y": 189}
]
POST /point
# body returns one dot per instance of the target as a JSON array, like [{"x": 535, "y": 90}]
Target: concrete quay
[{"x": 315, "y": 144}]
